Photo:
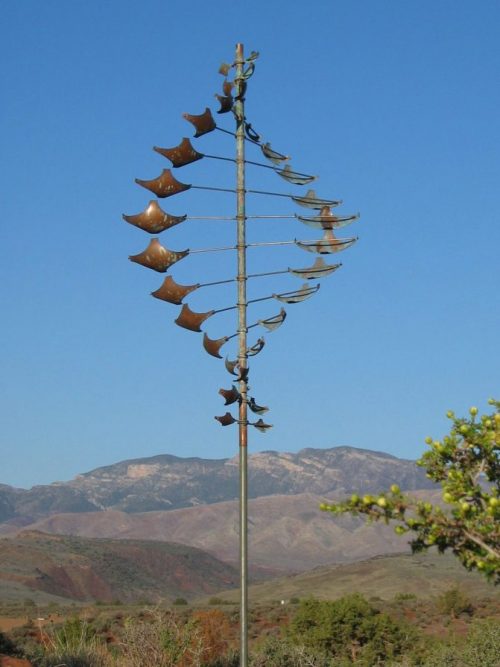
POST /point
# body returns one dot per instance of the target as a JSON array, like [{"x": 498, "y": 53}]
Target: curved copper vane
[
  {"x": 327, "y": 245},
  {"x": 302, "y": 294},
  {"x": 180, "y": 155},
  {"x": 256, "y": 348},
  {"x": 165, "y": 185},
  {"x": 157, "y": 257},
  {"x": 243, "y": 374},
  {"x": 261, "y": 426},
  {"x": 230, "y": 395},
  {"x": 272, "y": 323},
  {"x": 272, "y": 155},
  {"x": 318, "y": 270},
  {"x": 294, "y": 177},
  {"x": 311, "y": 201},
  {"x": 227, "y": 87},
  {"x": 213, "y": 346},
  {"x": 326, "y": 219},
  {"x": 231, "y": 365},
  {"x": 203, "y": 123},
  {"x": 191, "y": 320},
  {"x": 226, "y": 420},
  {"x": 224, "y": 69},
  {"x": 251, "y": 133},
  {"x": 257, "y": 409},
  {"x": 226, "y": 103},
  {"x": 172, "y": 292},
  {"x": 153, "y": 219}
]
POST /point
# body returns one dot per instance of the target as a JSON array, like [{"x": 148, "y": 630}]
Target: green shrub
[
  {"x": 75, "y": 644},
  {"x": 7, "y": 646},
  {"x": 454, "y": 602},
  {"x": 180, "y": 601},
  {"x": 350, "y": 630}
]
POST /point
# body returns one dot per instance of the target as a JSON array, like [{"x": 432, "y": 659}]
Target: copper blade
[
  {"x": 213, "y": 346},
  {"x": 165, "y": 185},
  {"x": 262, "y": 426},
  {"x": 311, "y": 201},
  {"x": 326, "y": 219},
  {"x": 227, "y": 87},
  {"x": 224, "y": 69},
  {"x": 172, "y": 292},
  {"x": 180, "y": 155},
  {"x": 272, "y": 155},
  {"x": 327, "y": 245},
  {"x": 305, "y": 292},
  {"x": 230, "y": 395},
  {"x": 191, "y": 320},
  {"x": 226, "y": 420},
  {"x": 256, "y": 347},
  {"x": 318, "y": 270},
  {"x": 272, "y": 323},
  {"x": 157, "y": 257},
  {"x": 294, "y": 177},
  {"x": 257, "y": 409},
  {"x": 226, "y": 103},
  {"x": 231, "y": 365},
  {"x": 153, "y": 219},
  {"x": 203, "y": 123}
]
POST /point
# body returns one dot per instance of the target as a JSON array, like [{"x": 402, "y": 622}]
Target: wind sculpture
[{"x": 154, "y": 220}]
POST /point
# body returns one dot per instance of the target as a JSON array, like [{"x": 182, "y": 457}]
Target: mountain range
[
  {"x": 168, "y": 482},
  {"x": 161, "y": 504}
]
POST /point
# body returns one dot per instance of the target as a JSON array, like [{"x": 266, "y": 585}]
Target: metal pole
[{"x": 242, "y": 350}]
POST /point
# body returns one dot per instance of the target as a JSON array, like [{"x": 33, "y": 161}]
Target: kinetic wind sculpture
[{"x": 156, "y": 256}]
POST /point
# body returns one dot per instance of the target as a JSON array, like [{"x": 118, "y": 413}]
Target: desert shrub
[
  {"x": 180, "y": 602},
  {"x": 454, "y": 602},
  {"x": 349, "y": 630},
  {"x": 276, "y": 652},
  {"x": 402, "y": 597},
  {"x": 75, "y": 644},
  {"x": 161, "y": 640},
  {"x": 482, "y": 648},
  {"x": 213, "y": 627},
  {"x": 215, "y": 601},
  {"x": 7, "y": 646}
]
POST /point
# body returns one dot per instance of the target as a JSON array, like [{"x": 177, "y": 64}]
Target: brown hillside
[
  {"x": 78, "y": 568},
  {"x": 286, "y": 533}
]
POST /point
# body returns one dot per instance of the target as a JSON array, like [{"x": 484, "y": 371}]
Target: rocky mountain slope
[
  {"x": 73, "y": 568},
  {"x": 286, "y": 533},
  {"x": 168, "y": 482}
]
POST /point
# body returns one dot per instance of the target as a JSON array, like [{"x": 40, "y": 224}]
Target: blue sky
[{"x": 394, "y": 104}]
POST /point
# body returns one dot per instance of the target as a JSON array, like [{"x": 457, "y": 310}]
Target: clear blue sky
[{"x": 394, "y": 104}]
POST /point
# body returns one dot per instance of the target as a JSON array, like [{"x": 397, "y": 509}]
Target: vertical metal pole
[{"x": 242, "y": 350}]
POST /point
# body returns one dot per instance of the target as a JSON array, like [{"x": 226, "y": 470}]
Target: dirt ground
[{"x": 7, "y": 623}]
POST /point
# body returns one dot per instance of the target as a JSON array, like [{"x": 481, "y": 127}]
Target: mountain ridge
[{"x": 166, "y": 482}]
